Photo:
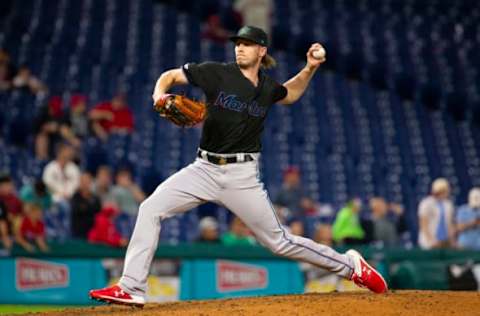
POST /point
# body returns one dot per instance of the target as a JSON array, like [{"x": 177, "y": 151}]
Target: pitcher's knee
[
  {"x": 149, "y": 208},
  {"x": 283, "y": 244},
  {"x": 280, "y": 246},
  {"x": 143, "y": 209}
]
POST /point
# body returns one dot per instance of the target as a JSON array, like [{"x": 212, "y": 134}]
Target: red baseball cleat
[
  {"x": 365, "y": 276},
  {"x": 115, "y": 295}
]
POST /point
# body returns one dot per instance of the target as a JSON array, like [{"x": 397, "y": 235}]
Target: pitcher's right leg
[
  {"x": 184, "y": 190},
  {"x": 163, "y": 203}
]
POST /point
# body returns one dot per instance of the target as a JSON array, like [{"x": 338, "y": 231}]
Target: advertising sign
[
  {"x": 235, "y": 276},
  {"x": 49, "y": 281},
  {"x": 208, "y": 278},
  {"x": 38, "y": 274}
]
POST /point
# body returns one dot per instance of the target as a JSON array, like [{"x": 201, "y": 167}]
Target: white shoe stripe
[{"x": 134, "y": 300}]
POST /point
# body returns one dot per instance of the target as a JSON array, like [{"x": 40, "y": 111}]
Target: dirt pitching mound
[{"x": 396, "y": 303}]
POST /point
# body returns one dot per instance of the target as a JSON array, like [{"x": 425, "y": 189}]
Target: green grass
[{"x": 19, "y": 309}]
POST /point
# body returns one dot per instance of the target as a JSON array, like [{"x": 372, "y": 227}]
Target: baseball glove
[{"x": 180, "y": 110}]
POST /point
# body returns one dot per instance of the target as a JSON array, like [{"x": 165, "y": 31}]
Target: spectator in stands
[
  {"x": 112, "y": 117},
  {"x": 37, "y": 194},
  {"x": 4, "y": 236},
  {"x": 10, "y": 200},
  {"x": 221, "y": 21},
  {"x": 296, "y": 227},
  {"x": 104, "y": 230},
  {"x": 311, "y": 211},
  {"x": 231, "y": 19},
  {"x": 47, "y": 127},
  {"x": 32, "y": 229},
  {"x": 293, "y": 223},
  {"x": 291, "y": 194},
  {"x": 435, "y": 214},
  {"x": 102, "y": 187},
  {"x": 239, "y": 234},
  {"x": 214, "y": 30},
  {"x": 74, "y": 123},
  {"x": 384, "y": 229},
  {"x": 62, "y": 175},
  {"x": 78, "y": 115},
  {"x": 468, "y": 222},
  {"x": 308, "y": 207},
  {"x": 256, "y": 13},
  {"x": 126, "y": 193},
  {"x": 208, "y": 230},
  {"x": 51, "y": 129},
  {"x": 127, "y": 196},
  {"x": 323, "y": 235},
  {"x": 24, "y": 79},
  {"x": 346, "y": 227},
  {"x": 84, "y": 206}
]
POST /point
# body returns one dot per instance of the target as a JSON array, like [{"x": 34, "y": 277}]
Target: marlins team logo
[
  {"x": 236, "y": 276},
  {"x": 232, "y": 102}
]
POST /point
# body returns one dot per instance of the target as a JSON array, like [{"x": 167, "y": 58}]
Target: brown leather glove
[{"x": 180, "y": 110}]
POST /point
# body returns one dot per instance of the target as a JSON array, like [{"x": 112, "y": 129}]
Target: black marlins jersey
[{"x": 236, "y": 109}]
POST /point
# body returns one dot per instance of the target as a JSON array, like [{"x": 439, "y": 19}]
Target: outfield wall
[{"x": 200, "y": 271}]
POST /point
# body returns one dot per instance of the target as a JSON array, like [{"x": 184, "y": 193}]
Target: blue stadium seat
[{"x": 395, "y": 106}]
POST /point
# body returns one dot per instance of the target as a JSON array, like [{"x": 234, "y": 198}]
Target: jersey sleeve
[
  {"x": 202, "y": 75},
  {"x": 279, "y": 92}
]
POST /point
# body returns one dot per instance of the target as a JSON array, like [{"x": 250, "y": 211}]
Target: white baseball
[{"x": 319, "y": 53}]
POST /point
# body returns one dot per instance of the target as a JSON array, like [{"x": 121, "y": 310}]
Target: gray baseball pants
[{"x": 236, "y": 186}]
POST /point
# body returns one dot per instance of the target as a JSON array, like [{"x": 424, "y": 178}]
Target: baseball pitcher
[{"x": 239, "y": 95}]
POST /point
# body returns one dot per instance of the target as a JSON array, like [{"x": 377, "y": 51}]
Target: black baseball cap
[{"x": 253, "y": 34}]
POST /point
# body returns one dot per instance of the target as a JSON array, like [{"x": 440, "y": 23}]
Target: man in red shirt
[
  {"x": 112, "y": 117},
  {"x": 104, "y": 231}
]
